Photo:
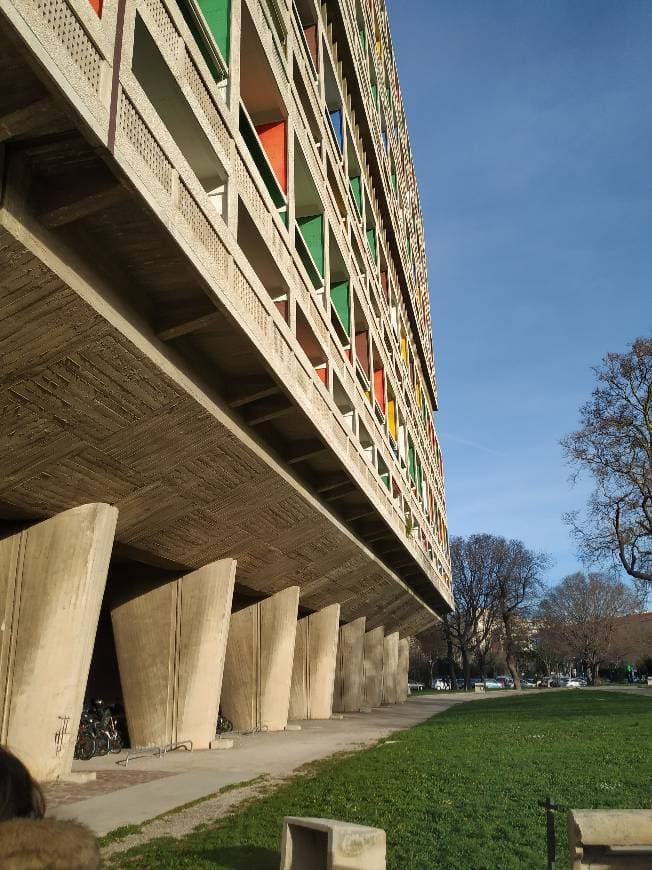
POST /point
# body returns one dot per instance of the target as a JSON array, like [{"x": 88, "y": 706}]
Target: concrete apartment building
[{"x": 220, "y": 482}]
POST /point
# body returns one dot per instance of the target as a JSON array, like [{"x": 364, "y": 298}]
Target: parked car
[
  {"x": 527, "y": 684},
  {"x": 505, "y": 681},
  {"x": 492, "y": 684},
  {"x": 576, "y": 683},
  {"x": 416, "y": 687}
]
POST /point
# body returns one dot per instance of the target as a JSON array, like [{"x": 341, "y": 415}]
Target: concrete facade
[
  {"x": 170, "y": 637},
  {"x": 214, "y": 317},
  {"x": 313, "y": 672},
  {"x": 402, "y": 670},
  {"x": 349, "y": 674},
  {"x": 52, "y": 578},
  {"x": 259, "y": 661},
  {"x": 390, "y": 668},
  {"x": 373, "y": 667}
]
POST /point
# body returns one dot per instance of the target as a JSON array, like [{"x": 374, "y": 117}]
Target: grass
[{"x": 460, "y": 791}]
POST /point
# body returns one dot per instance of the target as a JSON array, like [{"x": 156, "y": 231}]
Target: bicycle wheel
[
  {"x": 85, "y": 747},
  {"x": 101, "y": 743},
  {"x": 117, "y": 744}
]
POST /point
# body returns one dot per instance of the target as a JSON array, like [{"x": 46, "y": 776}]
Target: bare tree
[
  {"x": 475, "y": 565},
  {"x": 614, "y": 444},
  {"x": 516, "y": 592},
  {"x": 580, "y": 618}
]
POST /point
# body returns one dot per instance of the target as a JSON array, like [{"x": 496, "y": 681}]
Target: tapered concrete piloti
[
  {"x": 390, "y": 669},
  {"x": 402, "y": 670},
  {"x": 170, "y": 636},
  {"x": 313, "y": 672},
  {"x": 258, "y": 664},
  {"x": 52, "y": 578},
  {"x": 349, "y": 674},
  {"x": 373, "y": 667}
]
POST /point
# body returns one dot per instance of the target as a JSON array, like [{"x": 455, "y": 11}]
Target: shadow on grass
[{"x": 239, "y": 857}]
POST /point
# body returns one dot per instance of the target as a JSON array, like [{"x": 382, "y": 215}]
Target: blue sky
[{"x": 531, "y": 128}]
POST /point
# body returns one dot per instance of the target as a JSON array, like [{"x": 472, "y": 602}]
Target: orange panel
[
  {"x": 322, "y": 374},
  {"x": 273, "y": 138},
  {"x": 97, "y": 6},
  {"x": 379, "y": 388}
]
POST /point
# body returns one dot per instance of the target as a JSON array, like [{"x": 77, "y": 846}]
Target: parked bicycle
[{"x": 99, "y": 732}]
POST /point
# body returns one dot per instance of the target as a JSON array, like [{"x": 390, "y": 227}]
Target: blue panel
[{"x": 336, "y": 121}]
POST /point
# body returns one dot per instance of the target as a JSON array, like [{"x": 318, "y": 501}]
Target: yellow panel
[{"x": 391, "y": 418}]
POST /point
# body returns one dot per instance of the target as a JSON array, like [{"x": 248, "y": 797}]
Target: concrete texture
[
  {"x": 258, "y": 664},
  {"x": 402, "y": 671},
  {"x": 373, "y": 667},
  {"x": 279, "y": 754},
  {"x": 52, "y": 578},
  {"x": 349, "y": 674},
  {"x": 309, "y": 843},
  {"x": 390, "y": 669},
  {"x": 610, "y": 839},
  {"x": 170, "y": 637},
  {"x": 313, "y": 672}
]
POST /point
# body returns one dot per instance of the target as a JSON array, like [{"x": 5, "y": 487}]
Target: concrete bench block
[
  {"x": 479, "y": 687},
  {"x": 327, "y": 844},
  {"x": 610, "y": 839}
]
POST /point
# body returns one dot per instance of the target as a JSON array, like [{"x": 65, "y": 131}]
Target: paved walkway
[{"x": 182, "y": 776}]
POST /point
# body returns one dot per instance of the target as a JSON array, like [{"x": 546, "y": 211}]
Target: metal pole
[{"x": 550, "y": 808}]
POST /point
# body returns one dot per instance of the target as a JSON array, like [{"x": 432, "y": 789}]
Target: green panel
[
  {"x": 363, "y": 38},
  {"x": 374, "y": 91},
  {"x": 412, "y": 463},
  {"x": 312, "y": 230},
  {"x": 218, "y": 17},
  {"x": 356, "y": 187},
  {"x": 340, "y": 301},
  {"x": 373, "y": 246},
  {"x": 419, "y": 479},
  {"x": 385, "y": 478}
]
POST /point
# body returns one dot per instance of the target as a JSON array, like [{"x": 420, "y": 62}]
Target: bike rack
[{"x": 155, "y": 751}]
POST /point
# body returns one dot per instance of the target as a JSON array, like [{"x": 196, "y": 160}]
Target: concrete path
[{"x": 197, "y": 774}]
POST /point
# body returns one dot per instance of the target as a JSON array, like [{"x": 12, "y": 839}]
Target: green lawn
[{"x": 460, "y": 791}]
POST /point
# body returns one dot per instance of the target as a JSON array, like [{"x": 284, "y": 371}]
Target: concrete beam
[
  {"x": 188, "y": 327},
  {"x": 52, "y": 579},
  {"x": 80, "y": 201},
  {"x": 251, "y": 390},
  {"x": 303, "y": 450},
  {"x": 313, "y": 672},
  {"x": 24, "y": 120},
  {"x": 267, "y": 409},
  {"x": 402, "y": 670},
  {"x": 349, "y": 674},
  {"x": 390, "y": 668},
  {"x": 259, "y": 661},
  {"x": 373, "y": 667},
  {"x": 170, "y": 637}
]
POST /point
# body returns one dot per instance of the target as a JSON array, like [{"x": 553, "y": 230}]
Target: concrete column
[
  {"x": 390, "y": 668},
  {"x": 52, "y": 579},
  {"x": 349, "y": 674},
  {"x": 402, "y": 672},
  {"x": 170, "y": 638},
  {"x": 258, "y": 665},
  {"x": 313, "y": 672},
  {"x": 373, "y": 667}
]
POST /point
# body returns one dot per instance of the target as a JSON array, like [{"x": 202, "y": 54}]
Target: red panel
[
  {"x": 379, "y": 388},
  {"x": 362, "y": 350},
  {"x": 273, "y": 138},
  {"x": 322, "y": 374},
  {"x": 282, "y": 305},
  {"x": 310, "y": 32},
  {"x": 383, "y": 281},
  {"x": 97, "y": 6}
]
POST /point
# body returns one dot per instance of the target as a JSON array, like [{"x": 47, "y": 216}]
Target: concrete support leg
[
  {"x": 402, "y": 672},
  {"x": 52, "y": 579},
  {"x": 258, "y": 666},
  {"x": 170, "y": 638},
  {"x": 349, "y": 674},
  {"x": 313, "y": 673},
  {"x": 373, "y": 667},
  {"x": 390, "y": 668}
]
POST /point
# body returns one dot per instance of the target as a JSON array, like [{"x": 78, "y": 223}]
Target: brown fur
[{"x": 47, "y": 844}]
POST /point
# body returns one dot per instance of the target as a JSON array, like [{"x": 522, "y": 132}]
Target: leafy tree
[
  {"x": 614, "y": 444},
  {"x": 579, "y": 618}
]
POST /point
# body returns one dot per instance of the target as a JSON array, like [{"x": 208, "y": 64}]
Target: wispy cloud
[{"x": 474, "y": 444}]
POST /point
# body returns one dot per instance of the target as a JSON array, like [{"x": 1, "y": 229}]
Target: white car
[
  {"x": 416, "y": 687},
  {"x": 576, "y": 683}
]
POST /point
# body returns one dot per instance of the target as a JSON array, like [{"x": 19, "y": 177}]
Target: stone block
[
  {"x": 327, "y": 844},
  {"x": 390, "y": 668},
  {"x": 610, "y": 839},
  {"x": 402, "y": 671}
]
